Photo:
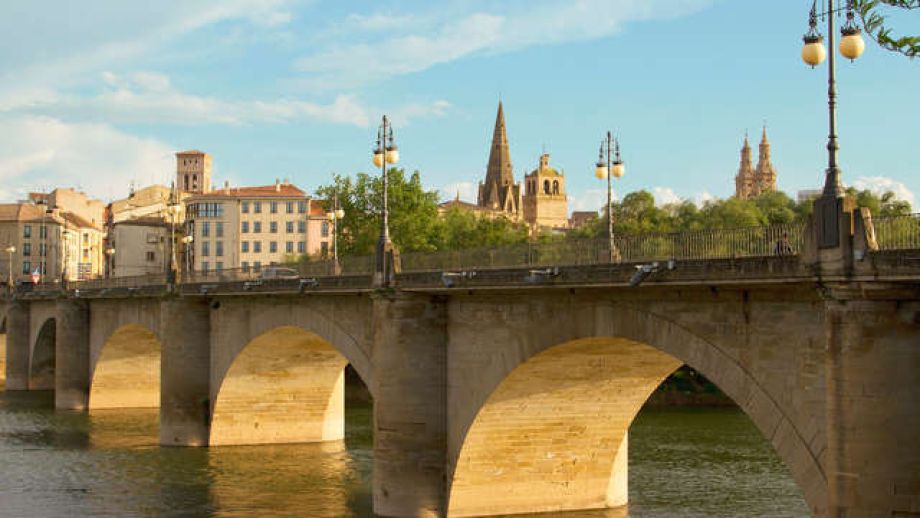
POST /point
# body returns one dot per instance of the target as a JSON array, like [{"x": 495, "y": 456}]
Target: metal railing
[
  {"x": 694, "y": 245},
  {"x": 897, "y": 232},
  {"x": 134, "y": 281}
]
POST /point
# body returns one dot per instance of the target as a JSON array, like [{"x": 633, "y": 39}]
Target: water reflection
[{"x": 107, "y": 463}]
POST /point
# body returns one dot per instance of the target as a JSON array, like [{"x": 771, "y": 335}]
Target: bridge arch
[
  {"x": 548, "y": 430},
  {"x": 42, "y": 359},
  {"x": 285, "y": 385},
  {"x": 126, "y": 370}
]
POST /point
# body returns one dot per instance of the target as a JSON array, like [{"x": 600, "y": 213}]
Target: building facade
[
  {"x": 751, "y": 182},
  {"x": 144, "y": 228},
  {"x": 249, "y": 227},
  {"x": 545, "y": 202}
]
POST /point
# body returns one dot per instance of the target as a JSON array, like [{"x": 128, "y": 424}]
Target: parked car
[{"x": 274, "y": 272}]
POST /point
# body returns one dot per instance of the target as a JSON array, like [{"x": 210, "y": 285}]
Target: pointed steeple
[
  {"x": 765, "y": 175},
  {"x": 744, "y": 181},
  {"x": 499, "y": 171}
]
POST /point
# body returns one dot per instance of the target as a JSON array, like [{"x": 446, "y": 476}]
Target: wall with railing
[{"x": 897, "y": 232}]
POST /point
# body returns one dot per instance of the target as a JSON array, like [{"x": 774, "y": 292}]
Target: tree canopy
[{"x": 874, "y": 20}]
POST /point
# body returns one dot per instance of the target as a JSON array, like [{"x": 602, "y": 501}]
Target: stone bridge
[{"x": 513, "y": 390}]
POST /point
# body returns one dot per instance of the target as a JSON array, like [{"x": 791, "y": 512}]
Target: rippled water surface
[{"x": 708, "y": 462}]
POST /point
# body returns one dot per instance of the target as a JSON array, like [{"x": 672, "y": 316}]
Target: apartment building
[{"x": 248, "y": 227}]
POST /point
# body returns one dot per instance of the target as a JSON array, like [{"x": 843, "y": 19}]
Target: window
[
  {"x": 218, "y": 266},
  {"x": 43, "y": 232},
  {"x": 245, "y": 265},
  {"x": 273, "y": 247},
  {"x": 244, "y": 227},
  {"x": 273, "y": 227},
  {"x": 274, "y": 207},
  {"x": 204, "y": 266},
  {"x": 151, "y": 257},
  {"x": 256, "y": 227},
  {"x": 205, "y": 248},
  {"x": 301, "y": 247},
  {"x": 85, "y": 238},
  {"x": 205, "y": 228},
  {"x": 219, "y": 248},
  {"x": 290, "y": 207},
  {"x": 26, "y": 249},
  {"x": 324, "y": 248},
  {"x": 219, "y": 229},
  {"x": 257, "y": 207},
  {"x": 27, "y": 231},
  {"x": 244, "y": 207},
  {"x": 206, "y": 210},
  {"x": 257, "y": 265},
  {"x": 324, "y": 230},
  {"x": 301, "y": 226},
  {"x": 244, "y": 247},
  {"x": 257, "y": 247},
  {"x": 26, "y": 267},
  {"x": 289, "y": 247},
  {"x": 289, "y": 227},
  {"x": 42, "y": 249},
  {"x": 302, "y": 207}
]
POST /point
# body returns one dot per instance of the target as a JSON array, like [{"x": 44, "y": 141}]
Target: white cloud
[
  {"x": 700, "y": 198},
  {"x": 589, "y": 199},
  {"x": 448, "y": 35},
  {"x": 43, "y": 153},
  {"x": 149, "y": 97},
  {"x": 468, "y": 191},
  {"x": 665, "y": 196},
  {"x": 882, "y": 184}
]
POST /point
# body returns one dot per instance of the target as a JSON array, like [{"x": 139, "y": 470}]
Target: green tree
[
  {"x": 462, "y": 229},
  {"x": 414, "y": 223},
  {"x": 874, "y": 21}
]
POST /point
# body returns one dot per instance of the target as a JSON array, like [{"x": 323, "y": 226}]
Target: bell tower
[{"x": 193, "y": 171}]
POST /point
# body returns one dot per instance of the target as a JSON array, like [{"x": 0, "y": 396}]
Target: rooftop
[{"x": 280, "y": 190}]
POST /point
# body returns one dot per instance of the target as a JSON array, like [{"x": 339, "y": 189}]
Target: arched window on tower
[
  {"x": 555, "y": 186},
  {"x": 546, "y": 187}
]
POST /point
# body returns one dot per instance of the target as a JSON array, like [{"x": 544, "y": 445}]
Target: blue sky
[{"x": 99, "y": 93}]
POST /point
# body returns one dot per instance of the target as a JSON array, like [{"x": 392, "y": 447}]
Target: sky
[{"x": 98, "y": 94}]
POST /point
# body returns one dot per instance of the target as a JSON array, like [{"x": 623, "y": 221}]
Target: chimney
[
  {"x": 227, "y": 186},
  {"x": 287, "y": 181},
  {"x": 277, "y": 185}
]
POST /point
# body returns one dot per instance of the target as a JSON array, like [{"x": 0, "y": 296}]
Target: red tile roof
[{"x": 266, "y": 191}]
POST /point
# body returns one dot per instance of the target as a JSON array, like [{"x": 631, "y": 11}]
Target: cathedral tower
[
  {"x": 499, "y": 192},
  {"x": 545, "y": 202},
  {"x": 193, "y": 171},
  {"x": 765, "y": 174},
  {"x": 744, "y": 180}
]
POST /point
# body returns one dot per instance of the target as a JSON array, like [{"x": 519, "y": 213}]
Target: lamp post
[
  {"x": 385, "y": 153},
  {"x": 110, "y": 262},
  {"x": 334, "y": 216},
  {"x": 173, "y": 208},
  {"x": 610, "y": 165},
  {"x": 828, "y": 206},
  {"x": 187, "y": 241},
  {"x": 10, "y": 250}
]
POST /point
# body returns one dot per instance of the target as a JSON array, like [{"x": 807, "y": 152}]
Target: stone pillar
[
  {"x": 185, "y": 328},
  {"x": 71, "y": 382},
  {"x": 17, "y": 346},
  {"x": 873, "y": 357},
  {"x": 410, "y": 415}
]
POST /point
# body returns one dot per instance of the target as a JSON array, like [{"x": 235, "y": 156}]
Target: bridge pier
[
  {"x": 410, "y": 418},
  {"x": 18, "y": 348},
  {"x": 185, "y": 326},
  {"x": 872, "y": 412},
  {"x": 72, "y": 381}
]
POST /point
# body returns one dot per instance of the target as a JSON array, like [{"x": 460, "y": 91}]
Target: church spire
[
  {"x": 499, "y": 172},
  {"x": 765, "y": 175},
  {"x": 744, "y": 181}
]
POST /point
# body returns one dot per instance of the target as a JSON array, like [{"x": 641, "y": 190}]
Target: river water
[{"x": 683, "y": 462}]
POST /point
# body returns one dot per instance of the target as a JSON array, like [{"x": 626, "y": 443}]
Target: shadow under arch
[
  {"x": 126, "y": 373},
  {"x": 287, "y": 385},
  {"x": 552, "y": 434},
  {"x": 41, "y": 362}
]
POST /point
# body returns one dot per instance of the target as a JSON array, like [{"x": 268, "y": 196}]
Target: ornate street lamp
[
  {"x": 828, "y": 206},
  {"x": 386, "y": 153},
  {"x": 187, "y": 241},
  {"x": 334, "y": 216},
  {"x": 610, "y": 165}
]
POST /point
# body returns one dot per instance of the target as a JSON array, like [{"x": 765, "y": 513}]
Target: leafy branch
[{"x": 874, "y": 23}]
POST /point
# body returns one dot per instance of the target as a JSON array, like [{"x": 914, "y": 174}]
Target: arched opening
[
  {"x": 555, "y": 186},
  {"x": 546, "y": 187},
  {"x": 554, "y": 434},
  {"x": 126, "y": 373},
  {"x": 287, "y": 385},
  {"x": 41, "y": 364}
]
